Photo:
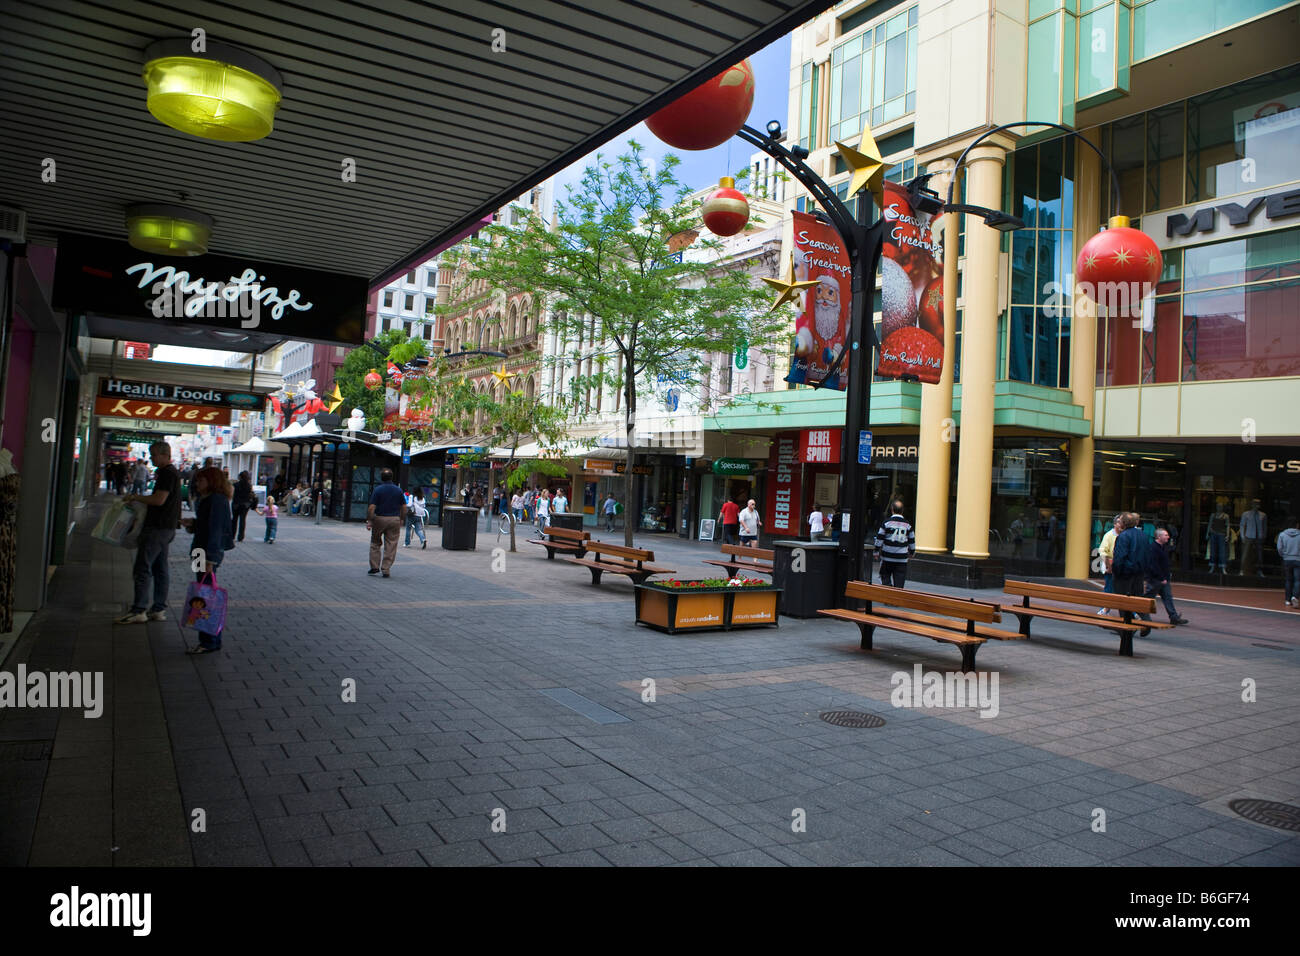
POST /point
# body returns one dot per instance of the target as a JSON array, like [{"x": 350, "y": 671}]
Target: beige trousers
[{"x": 384, "y": 531}]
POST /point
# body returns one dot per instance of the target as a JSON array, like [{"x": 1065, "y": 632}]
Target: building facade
[{"x": 1053, "y": 414}]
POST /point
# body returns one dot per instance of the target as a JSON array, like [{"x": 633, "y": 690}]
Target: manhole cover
[
  {"x": 1284, "y": 816},
  {"x": 25, "y": 750},
  {"x": 852, "y": 718}
]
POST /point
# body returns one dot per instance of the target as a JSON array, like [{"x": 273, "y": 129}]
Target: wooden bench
[
  {"x": 1081, "y": 608},
  {"x": 563, "y": 539},
  {"x": 938, "y": 617},
  {"x": 617, "y": 559},
  {"x": 745, "y": 559}
]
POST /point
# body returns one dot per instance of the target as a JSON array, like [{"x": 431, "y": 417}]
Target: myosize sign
[
  {"x": 193, "y": 394},
  {"x": 160, "y": 411},
  {"x": 109, "y": 277}
]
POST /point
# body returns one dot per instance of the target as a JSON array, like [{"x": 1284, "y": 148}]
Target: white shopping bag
[{"x": 120, "y": 524}]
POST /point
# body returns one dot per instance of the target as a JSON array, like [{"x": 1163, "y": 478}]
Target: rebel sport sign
[{"x": 191, "y": 394}]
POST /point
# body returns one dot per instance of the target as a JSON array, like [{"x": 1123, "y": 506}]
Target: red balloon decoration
[
  {"x": 725, "y": 210},
  {"x": 710, "y": 114},
  {"x": 373, "y": 380},
  {"x": 1118, "y": 256}
]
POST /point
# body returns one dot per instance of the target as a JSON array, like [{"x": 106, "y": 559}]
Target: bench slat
[
  {"x": 980, "y": 611},
  {"x": 1081, "y": 596},
  {"x": 981, "y": 630}
]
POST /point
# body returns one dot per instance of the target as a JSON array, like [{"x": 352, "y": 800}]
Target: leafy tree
[
  {"x": 605, "y": 267},
  {"x": 351, "y": 375}
]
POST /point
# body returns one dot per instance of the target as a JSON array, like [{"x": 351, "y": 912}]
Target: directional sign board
[{"x": 864, "y": 447}]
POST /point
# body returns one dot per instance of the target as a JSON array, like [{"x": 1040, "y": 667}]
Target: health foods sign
[
  {"x": 109, "y": 277},
  {"x": 194, "y": 394}
]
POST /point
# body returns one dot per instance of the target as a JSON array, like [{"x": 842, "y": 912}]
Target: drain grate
[
  {"x": 852, "y": 718},
  {"x": 1284, "y": 816},
  {"x": 11, "y": 750}
]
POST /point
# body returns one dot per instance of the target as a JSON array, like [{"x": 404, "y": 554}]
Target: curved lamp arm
[{"x": 1114, "y": 179}]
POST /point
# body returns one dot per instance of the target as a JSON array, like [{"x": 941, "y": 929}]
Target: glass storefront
[{"x": 1027, "y": 512}]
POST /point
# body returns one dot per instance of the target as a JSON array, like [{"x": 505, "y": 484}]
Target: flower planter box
[{"x": 671, "y": 610}]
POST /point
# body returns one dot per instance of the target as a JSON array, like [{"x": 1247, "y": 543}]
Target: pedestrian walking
[
  {"x": 610, "y": 509},
  {"x": 560, "y": 505},
  {"x": 543, "y": 508},
  {"x": 1106, "y": 551},
  {"x": 384, "y": 520},
  {"x": 162, "y": 517},
  {"x": 749, "y": 523},
  {"x": 139, "y": 477},
  {"x": 243, "y": 502},
  {"x": 729, "y": 518},
  {"x": 211, "y": 526},
  {"x": 1159, "y": 576},
  {"x": 1132, "y": 550},
  {"x": 517, "y": 506},
  {"x": 816, "y": 523},
  {"x": 1288, "y": 552},
  {"x": 272, "y": 514},
  {"x": 416, "y": 512},
  {"x": 895, "y": 544}
]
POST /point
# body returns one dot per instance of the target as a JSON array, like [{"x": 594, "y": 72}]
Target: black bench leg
[
  {"x": 968, "y": 656},
  {"x": 1024, "y": 624},
  {"x": 866, "y": 630},
  {"x": 1126, "y": 644},
  {"x": 595, "y": 575},
  {"x": 550, "y": 554}
]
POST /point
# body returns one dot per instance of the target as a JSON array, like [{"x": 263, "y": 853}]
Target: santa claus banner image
[
  {"x": 821, "y": 330},
  {"x": 911, "y": 284}
]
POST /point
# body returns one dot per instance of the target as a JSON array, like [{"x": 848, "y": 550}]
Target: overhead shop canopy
[{"x": 441, "y": 129}]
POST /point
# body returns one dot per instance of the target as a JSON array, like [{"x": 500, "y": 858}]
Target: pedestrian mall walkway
[{"x": 502, "y": 716}]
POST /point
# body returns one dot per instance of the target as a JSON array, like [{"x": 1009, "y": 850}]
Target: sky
[{"x": 697, "y": 170}]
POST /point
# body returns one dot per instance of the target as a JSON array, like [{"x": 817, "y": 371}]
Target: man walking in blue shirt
[{"x": 384, "y": 520}]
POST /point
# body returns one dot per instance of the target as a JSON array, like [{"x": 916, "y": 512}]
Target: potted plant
[{"x": 672, "y": 605}]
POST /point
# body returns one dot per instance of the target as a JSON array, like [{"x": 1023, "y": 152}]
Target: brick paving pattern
[{"x": 451, "y": 730}]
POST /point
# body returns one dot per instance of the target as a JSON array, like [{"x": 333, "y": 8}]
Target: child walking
[{"x": 272, "y": 513}]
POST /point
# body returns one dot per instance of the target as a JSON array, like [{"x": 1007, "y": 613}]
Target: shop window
[
  {"x": 872, "y": 77},
  {"x": 1123, "y": 348},
  {"x": 1242, "y": 332},
  {"x": 1160, "y": 343},
  {"x": 1164, "y": 157}
]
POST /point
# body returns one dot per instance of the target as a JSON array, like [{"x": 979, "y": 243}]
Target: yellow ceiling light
[
  {"x": 223, "y": 93},
  {"x": 168, "y": 230}
]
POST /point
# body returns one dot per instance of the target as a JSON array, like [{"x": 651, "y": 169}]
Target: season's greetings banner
[
  {"x": 821, "y": 330},
  {"x": 911, "y": 284}
]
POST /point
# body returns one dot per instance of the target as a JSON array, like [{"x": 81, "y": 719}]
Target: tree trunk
[{"x": 632, "y": 506}]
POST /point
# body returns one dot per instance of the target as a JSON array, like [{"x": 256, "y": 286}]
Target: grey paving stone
[
  {"x": 512, "y": 847},
  {"x": 635, "y": 854},
  {"x": 410, "y": 836}
]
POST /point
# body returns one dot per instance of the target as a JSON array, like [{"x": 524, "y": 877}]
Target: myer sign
[{"x": 1242, "y": 215}]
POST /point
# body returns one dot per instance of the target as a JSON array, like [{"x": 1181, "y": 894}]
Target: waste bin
[
  {"x": 459, "y": 528},
  {"x": 805, "y": 573},
  {"x": 568, "y": 520}
]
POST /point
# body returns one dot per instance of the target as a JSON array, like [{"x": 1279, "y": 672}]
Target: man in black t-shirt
[{"x": 160, "y": 522}]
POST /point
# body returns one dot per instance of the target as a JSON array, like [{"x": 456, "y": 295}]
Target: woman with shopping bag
[{"x": 205, "y": 604}]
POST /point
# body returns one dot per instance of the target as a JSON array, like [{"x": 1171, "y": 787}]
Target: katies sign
[
  {"x": 109, "y": 277},
  {"x": 194, "y": 394},
  {"x": 162, "y": 411}
]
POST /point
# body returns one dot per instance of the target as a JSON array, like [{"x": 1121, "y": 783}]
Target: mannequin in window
[
  {"x": 1216, "y": 538},
  {"x": 1253, "y": 526}
]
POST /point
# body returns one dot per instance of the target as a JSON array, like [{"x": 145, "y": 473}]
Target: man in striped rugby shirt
[{"x": 895, "y": 543}]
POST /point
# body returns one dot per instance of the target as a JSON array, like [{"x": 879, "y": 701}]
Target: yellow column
[
  {"x": 979, "y": 356},
  {"x": 934, "y": 466},
  {"x": 1083, "y": 370}
]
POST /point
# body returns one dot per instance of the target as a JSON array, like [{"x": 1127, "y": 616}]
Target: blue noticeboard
[
  {"x": 864, "y": 447},
  {"x": 406, "y": 458}
]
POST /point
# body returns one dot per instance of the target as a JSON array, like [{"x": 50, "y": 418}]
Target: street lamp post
[{"x": 862, "y": 244}]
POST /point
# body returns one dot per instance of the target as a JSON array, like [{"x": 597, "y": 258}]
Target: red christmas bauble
[
  {"x": 708, "y": 115},
  {"x": 373, "y": 380},
  {"x": 930, "y": 309},
  {"x": 1118, "y": 256},
  {"x": 725, "y": 210}
]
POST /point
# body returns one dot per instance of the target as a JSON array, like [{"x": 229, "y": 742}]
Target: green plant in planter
[{"x": 713, "y": 583}]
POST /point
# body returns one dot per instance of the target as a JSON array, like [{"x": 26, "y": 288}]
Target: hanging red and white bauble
[
  {"x": 1118, "y": 256},
  {"x": 710, "y": 114},
  {"x": 373, "y": 380},
  {"x": 725, "y": 210}
]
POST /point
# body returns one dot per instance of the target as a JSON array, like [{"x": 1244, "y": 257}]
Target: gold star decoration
[
  {"x": 502, "y": 376},
  {"x": 1090, "y": 261},
  {"x": 867, "y": 165},
  {"x": 1121, "y": 257},
  {"x": 336, "y": 398},
  {"x": 787, "y": 286},
  {"x": 1151, "y": 258}
]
